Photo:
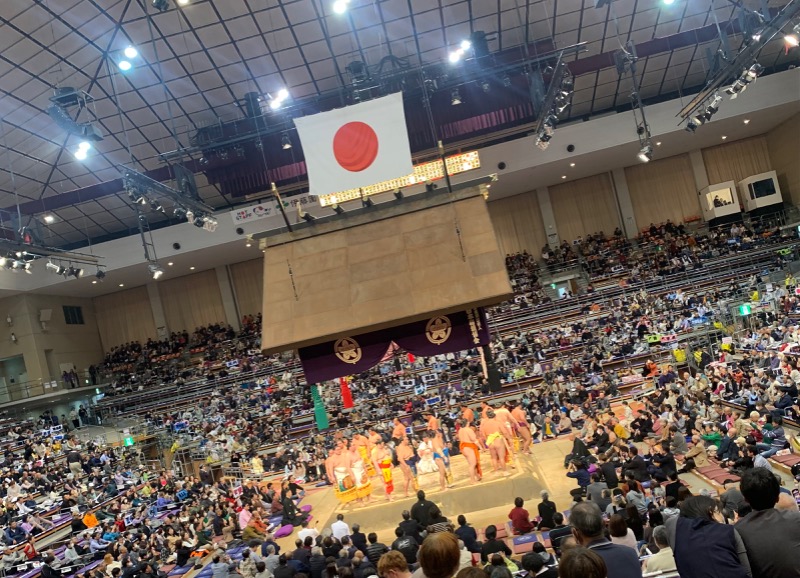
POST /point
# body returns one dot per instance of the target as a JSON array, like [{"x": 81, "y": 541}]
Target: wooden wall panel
[
  {"x": 124, "y": 316},
  {"x": 248, "y": 284},
  {"x": 738, "y": 160},
  {"x": 518, "y": 224},
  {"x": 192, "y": 301},
  {"x": 663, "y": 189},
  {"x": 584, "y": 206},
  {"x": 782, "y": 143}
]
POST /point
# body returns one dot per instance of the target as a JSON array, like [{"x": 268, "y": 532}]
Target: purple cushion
[
  {"x": 284, "y": 531},
  {"x": 305, "y": 508}
]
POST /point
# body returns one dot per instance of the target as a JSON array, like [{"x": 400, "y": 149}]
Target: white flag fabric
[{"x": 356, "y": 146}]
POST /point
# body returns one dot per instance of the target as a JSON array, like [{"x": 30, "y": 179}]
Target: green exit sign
[
  {"x": 129, "y": 441},
  {"x": 744, "y": 309}
]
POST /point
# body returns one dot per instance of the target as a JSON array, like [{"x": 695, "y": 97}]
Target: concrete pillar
[
  {"x": 699, "y": 170},
  {"x": 228, "y": 297},
  {"x": 624, "y": 204},
  {"x": 548, "y": 219},
  {"x": 157, "y": 307}
]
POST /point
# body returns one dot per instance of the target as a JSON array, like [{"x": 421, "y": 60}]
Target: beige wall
[
  {"x": 737, "y": 160},
  {"x": 584, "y": 206},
  {"x": 663, "y": 189},
  {"x": 45, "y": 349},
  {"x": 125, "y": 316},
  {"x": 782, "y": 143},
  {"x": 192, "y": 301},
  {"x": 248, "y": 285},
  {"x": 518, "y": 223}
]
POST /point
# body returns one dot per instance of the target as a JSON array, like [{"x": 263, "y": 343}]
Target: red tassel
[
  {"x": 347, "y": 396},
  {"x": 411, "y": 357}
]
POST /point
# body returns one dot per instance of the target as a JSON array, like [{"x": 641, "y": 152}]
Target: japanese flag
[{"x": 356, "y": 146}]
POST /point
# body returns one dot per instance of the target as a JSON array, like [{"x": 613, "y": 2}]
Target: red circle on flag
[{"x": 355, "y": 146}]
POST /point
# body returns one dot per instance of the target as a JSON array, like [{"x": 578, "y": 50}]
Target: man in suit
[
  {"x": 534, "y": 565},
  {"x": 587, "y": 529}
]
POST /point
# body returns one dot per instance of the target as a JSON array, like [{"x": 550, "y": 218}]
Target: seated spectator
[
  {"x": 771, "y": 536},
  {"x": 547, "y": 511},
  {"x": 587, "y": 528},
  {"x": 406, "y": 545},
  {"x": 664, "y": 559},
  {"x": 520, "y": 520},
  {"x": 375, "y": 549},
  {"x": 704, "y": 547},
  {"x": 439, "y": 556},
  {"x": 468, "y": 535},
  {"x": 620, "y": 533},
  {"x": 393, "y": 565},
  {"x": 492, "y": 545},
  {"x": 585, "y": 563}
]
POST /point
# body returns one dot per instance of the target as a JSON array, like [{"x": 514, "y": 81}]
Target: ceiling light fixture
[
  {"x": 49, "y": 219},
  {"x": 455, "y": 97},
  {"x": 155, "y": 270},
  {"x": 124, "y": 65},
  {"x": 122, "y": 284},
  {"x": 191, "y": 268},
  {"x": 100, "y": 275},
  {"x": 563, "y": 176},
  {"x": 170, "y": 264},
  {"x": 646, "y": 154},
  {"x": 746, "y": 121},
  {"x": 572, "y": 164},
  {"x": 340, "y": 6},
  {"x": 130, "y": 52},
  {"x": 275, "y": 102},
  {"x": 658, "y": 143},
  {"x": 286, "y": 142},
  {"x": 457, "y": 54},
  {"x": 724, "y": 137},
  {"x": 337, "y": 209}
]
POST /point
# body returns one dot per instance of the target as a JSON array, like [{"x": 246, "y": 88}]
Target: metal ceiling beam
[{"x": 577, "y": 67}]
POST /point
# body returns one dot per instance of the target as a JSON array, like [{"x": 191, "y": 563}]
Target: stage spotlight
[
  {"x": 183, "y": 2},
  {"x": 340, "y": 6},
  {"x": 398, "y": 194},
  {"x": 792, "y": 40},
  {"x": 155, "y": 270},
  {"x": 100, "y": 274},
  {"x": 277, "y": 101},
  {"x": 198, "y": 222},
  {"x": 691, "y": 126},
  {"x": 179, "y": 213},
  {"x": 307, "y": 217},
  {"x": 455, "y": 97},
  {"x": 161, "y": 5},
  {"x": 74, "y": 272},
  {"x": 465, "y": 45},
  {"x": 366, "y": 202},
  {"x": 430, "y": 187},
  {"x": 130, "y": 52},
  {"x": 337, "y": 209},
  {"x": 57, "y": 269},
  {"x": 754, "y": 71},
  {"x": 485, "y": 86},
  {"x": 646, "y": 154},
  {"x": 81, "y": 154},
  {"x": 506, "y": 81},
  {"x": 668, "y": 2},
  {"x": 286, "y": 142},
  {"x": 124, "y": 65},
  {"x": 155, "y": 205}
]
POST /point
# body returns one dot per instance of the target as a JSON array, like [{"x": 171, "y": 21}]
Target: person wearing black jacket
[
  {"x": 636, "y": 465},
  {"x": 468, "y": 535},
  {"x": 406, "y": 545},
  {"x": 411, "y": 527},
  {"x": 421, "y": 511},
  {"x": 664, "y": 464},
  {"x": 359, "y": 539},
  {"x": 609, "y": 471},
  {"x": 48, "y": 571},
  {"x": 77, "y": 524},
  {"x": 317, "y": 562},
  {"x": 492, "y": 545}
]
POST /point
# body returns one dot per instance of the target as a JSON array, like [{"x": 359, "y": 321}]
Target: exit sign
[
  {"x": 128, "y": 441},
  {"x": 744, "y": 309}
]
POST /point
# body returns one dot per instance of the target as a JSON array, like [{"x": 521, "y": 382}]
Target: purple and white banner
[{"x": 354, "y": 354}]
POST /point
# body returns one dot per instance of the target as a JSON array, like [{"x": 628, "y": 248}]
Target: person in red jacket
[{"x": 520, "y": 519}]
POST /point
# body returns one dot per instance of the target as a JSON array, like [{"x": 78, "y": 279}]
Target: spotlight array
[
  {"x": 704, "y": 116},
  {"x": 459, "y": 53},
  {"x": 275, "y": 102},
  {"x": 562, "y": 100},
  {"x": 340, "y": 6},
  {"x": 66, "y": 270},
  {"x": 748, "y": 75},
  {"x": 83, "y": 150},
  {"x": 128, "y": 56}
]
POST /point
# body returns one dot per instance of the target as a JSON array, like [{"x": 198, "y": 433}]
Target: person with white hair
[
  {"x": 547, "y": 510},
  {"x": 664, "y": 559}
]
